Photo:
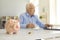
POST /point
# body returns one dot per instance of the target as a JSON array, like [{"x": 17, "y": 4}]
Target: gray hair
[{"x": 29, "y": 5}]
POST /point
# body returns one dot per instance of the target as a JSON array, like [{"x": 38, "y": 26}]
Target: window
[
  {"x": 55, "y": 12},
  {"x": 52, "y": 12},
  {"x": 58, "y": 11}
]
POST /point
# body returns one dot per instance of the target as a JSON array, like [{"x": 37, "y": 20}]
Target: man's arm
[
  {"x": 38, "y": 22},
  {"x": 45, "y": 26},
  {"x": 22, "y": 24}
]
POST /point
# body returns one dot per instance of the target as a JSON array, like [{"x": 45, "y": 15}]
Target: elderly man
[{"x": 29, "y": 20}]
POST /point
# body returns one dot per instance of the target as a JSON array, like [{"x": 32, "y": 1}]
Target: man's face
[{"x": 31, "y": 9}]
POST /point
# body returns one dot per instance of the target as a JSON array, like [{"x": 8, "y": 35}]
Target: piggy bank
[{"x": 12, "y": 26}]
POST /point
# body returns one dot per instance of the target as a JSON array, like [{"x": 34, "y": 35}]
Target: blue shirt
[{"x": 26, "y": 19}]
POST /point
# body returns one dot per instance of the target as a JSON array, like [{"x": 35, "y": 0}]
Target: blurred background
[{"x": 46, "y": 10}]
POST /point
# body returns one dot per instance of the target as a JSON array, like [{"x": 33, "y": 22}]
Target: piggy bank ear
[{"x": 10, "y": 20}]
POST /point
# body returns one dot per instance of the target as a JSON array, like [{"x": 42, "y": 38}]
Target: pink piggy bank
[{"x": 12, "y": 26}]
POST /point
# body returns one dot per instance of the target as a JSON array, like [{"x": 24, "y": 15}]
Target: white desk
[{"x": 35, "y": 34}]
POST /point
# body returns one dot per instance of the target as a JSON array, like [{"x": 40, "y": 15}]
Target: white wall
[{"x": 12, "y": 7}]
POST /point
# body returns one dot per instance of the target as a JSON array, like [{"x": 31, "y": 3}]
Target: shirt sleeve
[
  {"x": 38, "y": 22},
  {"x": 22, "y": 24}
]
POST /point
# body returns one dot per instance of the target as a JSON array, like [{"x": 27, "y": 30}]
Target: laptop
[{"x": 54, "y": 27}]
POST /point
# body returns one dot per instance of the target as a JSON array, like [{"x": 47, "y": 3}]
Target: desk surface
[{"x": 23, "y": 34}]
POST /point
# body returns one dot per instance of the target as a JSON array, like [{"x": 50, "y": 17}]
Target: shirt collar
[{"x": 29, "y": 15}]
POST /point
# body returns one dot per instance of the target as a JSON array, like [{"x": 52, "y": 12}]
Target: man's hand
[
  {"x": 30, "y": 25},
  {"x": 48, "y": 25}
]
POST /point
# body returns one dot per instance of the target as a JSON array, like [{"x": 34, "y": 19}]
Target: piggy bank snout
[{"x": 16, "y": 27}]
